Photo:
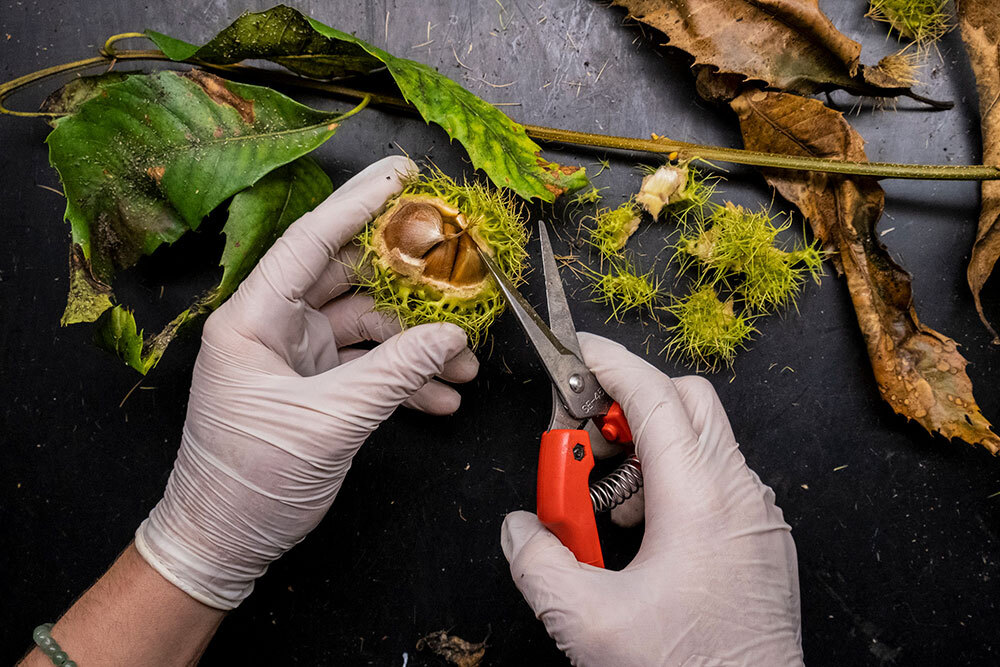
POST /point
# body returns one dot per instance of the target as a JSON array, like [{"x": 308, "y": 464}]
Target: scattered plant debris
[{"x": 454, "y": 649}]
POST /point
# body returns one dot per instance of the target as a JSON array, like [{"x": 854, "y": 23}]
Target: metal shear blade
[{"x": 576, "y": 393}]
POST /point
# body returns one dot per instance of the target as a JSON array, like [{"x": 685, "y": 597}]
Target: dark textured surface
[{"x": 897, "y": 550}]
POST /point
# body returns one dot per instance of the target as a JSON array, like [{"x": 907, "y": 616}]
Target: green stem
[
  {"x": 361, "y": 105},
  {"x": 772, "y": 160},
  {"x": 661, "y": 145},
  {"x": 10, "y": 87},
  {"x": 665, "y": 145}
]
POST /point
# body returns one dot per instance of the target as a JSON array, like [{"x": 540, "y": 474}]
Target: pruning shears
[{"x": 567, "y": 501}]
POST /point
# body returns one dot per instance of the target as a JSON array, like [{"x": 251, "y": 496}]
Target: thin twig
[
  {"x": 497, "y": 85},
  {"x": 602, "y": 70},
  {"x": 455, "y": 53},
  {"x": 134, "y": 387},
  {"x": 50, "y": 189}
]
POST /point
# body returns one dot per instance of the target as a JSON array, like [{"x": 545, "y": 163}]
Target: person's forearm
[{"x": 133, "y": 616}]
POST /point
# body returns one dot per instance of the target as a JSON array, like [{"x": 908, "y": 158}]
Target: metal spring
[{"x": 611, "y": 491}]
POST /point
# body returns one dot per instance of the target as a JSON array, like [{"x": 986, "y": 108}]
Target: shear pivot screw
[
  {"x": 576, "y": 383},
  {"x": 578, "y": 452}
]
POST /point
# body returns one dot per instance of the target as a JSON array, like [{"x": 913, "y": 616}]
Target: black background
[{"x": 897, "y": 550}]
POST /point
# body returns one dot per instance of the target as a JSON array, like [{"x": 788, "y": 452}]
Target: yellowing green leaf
[
  {"x": 495, "y": 143},
  {"x": 281, "y": 34},
  {"x": 262, "y": 213},
  {"x": 143, "y": 160},
  {"x": 118, "y": 333},
  {"x": 257, "y": 217}
]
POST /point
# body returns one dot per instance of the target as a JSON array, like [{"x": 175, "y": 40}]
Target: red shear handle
[
  {"x": 564, "y": 507},
  {"x": 613, "y": 426}
]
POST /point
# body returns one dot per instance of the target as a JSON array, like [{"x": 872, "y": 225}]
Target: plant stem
[
  {"x": 771, "y": 160},
  {"x": 661, "y": 145},
  {"x": 10, "y": 87}
]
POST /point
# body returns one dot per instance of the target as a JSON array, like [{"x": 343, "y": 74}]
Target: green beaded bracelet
[{"x": 43, "y": 638}]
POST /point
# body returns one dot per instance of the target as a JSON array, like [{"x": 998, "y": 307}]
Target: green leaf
[
  {"x": 280, "y": 34},
  {"x": 257, "y": 217},
  {"x": 88, "y": 297},
  {"x": 143, "y": 160},
  {"x": 118, "y": 333},
  {"x": 496, "y": 144},
  {"x": 262, "y": 213},
  {"x": 69, "y": 98}
]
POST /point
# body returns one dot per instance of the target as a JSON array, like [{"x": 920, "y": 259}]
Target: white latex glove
[
  {"x": 279, "y": 404},
  {"x": 715, "y": 581}
]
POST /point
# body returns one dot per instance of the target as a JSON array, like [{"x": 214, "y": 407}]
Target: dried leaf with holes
[
  {"x": 919, "y": 371},
  {"x": 980, "y": 24},
  {"x": 787, "y": 44}
]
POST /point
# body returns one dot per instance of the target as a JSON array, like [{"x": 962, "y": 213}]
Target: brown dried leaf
[
  {"x": 787, "y": 44},
  {"x": 980, "y": 23},
  {"x": 919, "y": 371},
  {"x": 453, "y": 649}
]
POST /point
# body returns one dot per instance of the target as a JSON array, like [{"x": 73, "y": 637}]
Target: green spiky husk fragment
[
  {"x": 625, "y": 290},
  {"x": 708, "y": 331},
  {"x": 612, "y": 228},
  {"x": 496, "y": 218},
  {"x": 698, "y": 193},
  {"x": 923, "y": 21},
  {"x": 736, "y": 242}
]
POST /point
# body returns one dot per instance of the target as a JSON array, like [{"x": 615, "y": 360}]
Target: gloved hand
[
  {"x": 715, "y": 581},
  {"x": 280, "y": 402}
]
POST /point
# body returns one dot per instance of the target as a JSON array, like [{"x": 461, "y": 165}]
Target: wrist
[
  {"x": 132, "y": 615},
  {"x": 174, "y": 544},
  {"x": 204, "y": 536}
]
